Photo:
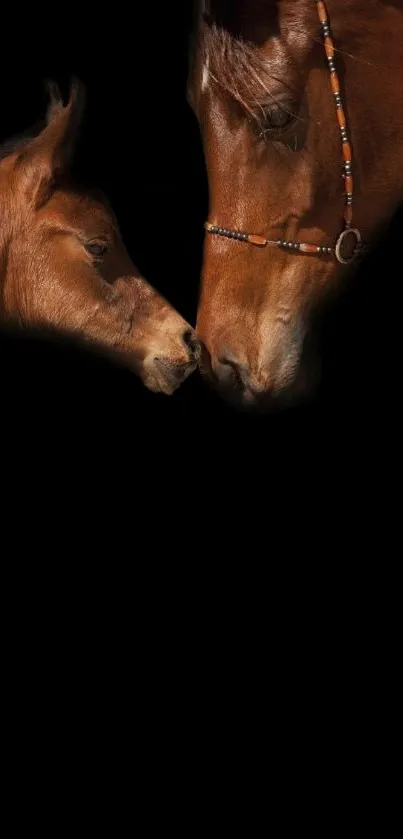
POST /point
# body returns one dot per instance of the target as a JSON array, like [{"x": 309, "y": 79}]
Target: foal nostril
[{"x": 191, "y": 341}]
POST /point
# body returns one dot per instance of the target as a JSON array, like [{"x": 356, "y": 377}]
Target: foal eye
[{"x": 96, "y": 249}]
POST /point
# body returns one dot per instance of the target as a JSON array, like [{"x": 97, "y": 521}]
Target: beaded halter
[{"x": 304, "y": 247}]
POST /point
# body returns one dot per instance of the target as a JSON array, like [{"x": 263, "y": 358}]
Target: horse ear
[{"x": 48, "y": 156}]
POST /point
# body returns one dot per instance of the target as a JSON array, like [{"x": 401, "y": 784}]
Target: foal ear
[{"x": 48, "y": 156}]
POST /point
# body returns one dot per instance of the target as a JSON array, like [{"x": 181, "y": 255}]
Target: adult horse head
[
  {"x": 64, "y": 266},
  {"x": 301, "y": 119}
]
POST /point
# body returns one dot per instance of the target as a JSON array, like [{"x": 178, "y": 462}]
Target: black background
[
  {"x": 140, "y": 144},
  {"x": 180, "y": 535}
]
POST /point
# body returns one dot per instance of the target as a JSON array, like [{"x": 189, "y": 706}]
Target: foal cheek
[{"x": 32, "y": 291}]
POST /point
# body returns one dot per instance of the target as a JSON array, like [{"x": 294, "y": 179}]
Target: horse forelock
[{"x": 235, "y": 63}]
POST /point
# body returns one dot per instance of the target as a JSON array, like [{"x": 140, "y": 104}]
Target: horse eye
[
  {"x": 280, "y": 118},
  {"x": 96, "y": 249},
  {"x": 276, "y": 120}
]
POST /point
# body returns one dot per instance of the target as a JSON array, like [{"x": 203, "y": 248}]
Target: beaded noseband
[{"x": 304, "y": 247}]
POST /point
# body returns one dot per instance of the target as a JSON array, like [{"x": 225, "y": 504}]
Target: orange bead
[
  {"x": 329, "y": 48},
  {"x": 348, "y": 215},
  {"x": 334, "y": 81},
  {"x": 346, "y": 152},
  {"x": 341, "y": 117},
  {"x": 322, "y": 12},
  {"x": 308, "y": 248},
  {"x": 349, "y": 183},
  {"x": 260, "y": 241}
]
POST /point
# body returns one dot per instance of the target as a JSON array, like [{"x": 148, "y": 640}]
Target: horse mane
[{"x": 260, "y": 86}]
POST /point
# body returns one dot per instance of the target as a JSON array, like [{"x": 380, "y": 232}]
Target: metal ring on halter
[{"x": 340, "y": 240}]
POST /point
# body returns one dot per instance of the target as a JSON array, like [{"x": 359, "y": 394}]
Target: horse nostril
[
  {"x": 230, "y": 367},
  {"x": 191, "y": 342}
]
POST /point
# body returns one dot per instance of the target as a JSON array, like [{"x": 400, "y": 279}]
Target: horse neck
[
  {"x": 373, "y": 96},
  {"x": 4, "y": 230}
]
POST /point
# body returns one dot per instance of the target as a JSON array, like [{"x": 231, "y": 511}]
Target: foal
[{"x": 64, "y": 267}]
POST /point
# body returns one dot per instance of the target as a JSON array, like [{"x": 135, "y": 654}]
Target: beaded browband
[{"x": 304, "y": 247}]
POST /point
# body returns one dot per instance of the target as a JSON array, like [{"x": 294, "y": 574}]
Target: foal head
[
  {"x": 272, "y": 130},
  {"x": 64, "y": 267}
]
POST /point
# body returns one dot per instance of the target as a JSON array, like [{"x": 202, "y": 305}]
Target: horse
[
  {"x": 301, "y": 122},
  {"x": 64, "y": 268}
]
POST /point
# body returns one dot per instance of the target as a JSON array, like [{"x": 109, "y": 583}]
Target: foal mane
[{"x": 17, "y": 142}]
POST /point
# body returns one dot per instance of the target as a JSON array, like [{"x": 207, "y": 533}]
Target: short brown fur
[
  {"x": 282, "y": 179},
  {"x": 64, "y": 267}
]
